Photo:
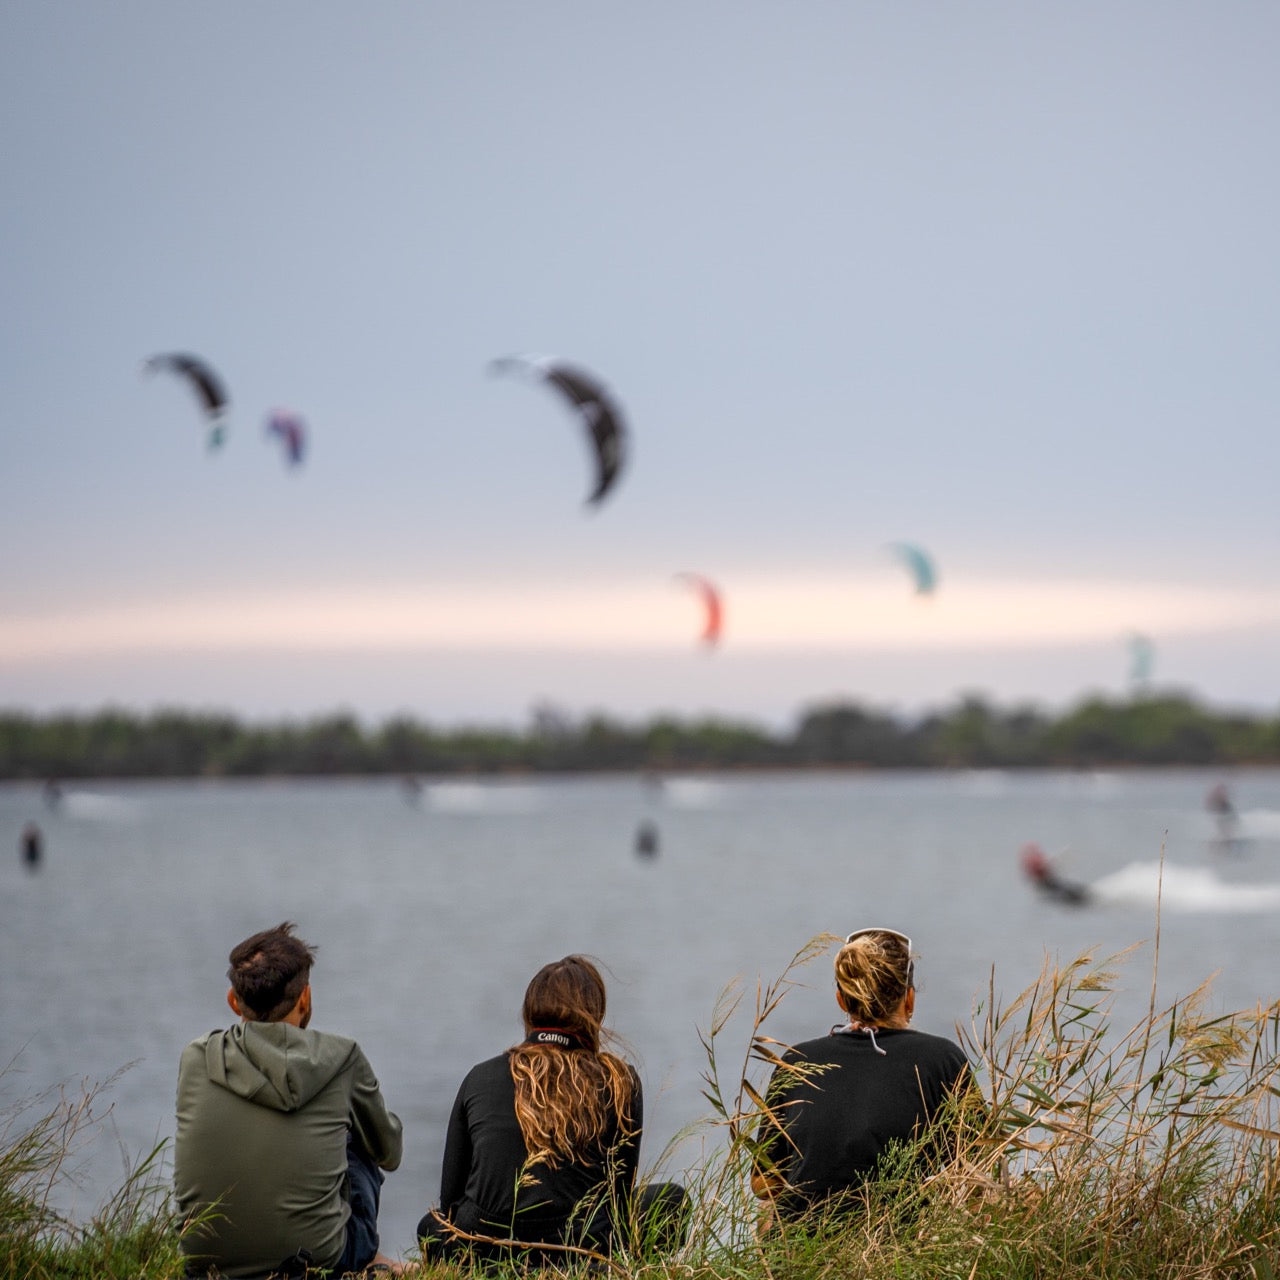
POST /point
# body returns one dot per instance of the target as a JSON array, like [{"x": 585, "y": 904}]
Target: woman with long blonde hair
[
  {"x": 843, "y": 1100},
  {"x": 544, "y": 1140}
]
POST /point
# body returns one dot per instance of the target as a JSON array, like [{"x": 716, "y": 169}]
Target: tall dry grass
[{"x": 1087, "y": 1149}]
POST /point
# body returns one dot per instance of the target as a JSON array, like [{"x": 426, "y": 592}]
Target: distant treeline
[{"x": 1155, "y": 730}]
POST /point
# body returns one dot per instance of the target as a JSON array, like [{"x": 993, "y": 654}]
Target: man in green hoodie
[{"x": 281, "y": 1129}]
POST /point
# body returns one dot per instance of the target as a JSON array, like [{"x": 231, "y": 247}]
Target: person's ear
[
  {"x": 910, "y": 1002},
  {"x": 234, "y": 1003},
  {"x": 841, "y": 1001}
]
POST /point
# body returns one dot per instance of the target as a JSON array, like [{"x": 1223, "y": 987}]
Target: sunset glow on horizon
[{"x": 762, "y": 613}]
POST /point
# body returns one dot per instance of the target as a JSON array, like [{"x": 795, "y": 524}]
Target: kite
[
  {"x": 920, "y": 566},
  {"x": 292, "y": 432},
  {"x": 714, "y": 619},
  {"x": 598, "y": 411},
  {"x": 206, "y": 384}
]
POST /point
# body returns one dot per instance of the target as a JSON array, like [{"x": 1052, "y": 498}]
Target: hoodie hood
[{"x": 275, "y": 1064}]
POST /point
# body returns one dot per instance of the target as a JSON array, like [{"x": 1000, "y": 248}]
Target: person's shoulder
[
  {"x": 331, "y": 1041},
  {"x": 195, "y": 1050},
  {"x": 633, "y": 1079},
  {"x": 496, "y": 1068},
  {"x": 927, "y": 1038},
  {"x": 628, "y": 1068},
  {"x": 937, "y": 1048},
  {"x": 344, "y": 1049},
  {"x": 305, "y": 1043},
  {"x": 817, "y": 1049}
]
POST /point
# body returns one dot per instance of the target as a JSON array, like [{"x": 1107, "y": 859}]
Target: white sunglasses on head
[{"x": 893, "y": 933}]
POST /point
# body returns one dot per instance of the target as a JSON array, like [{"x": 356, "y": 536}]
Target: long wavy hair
[{"x": 567, "y": 1098}]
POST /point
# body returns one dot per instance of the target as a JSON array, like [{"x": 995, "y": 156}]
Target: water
[{"x": 431, "y": 913}]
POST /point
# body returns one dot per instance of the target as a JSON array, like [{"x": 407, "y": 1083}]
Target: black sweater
[
  {"x": 485, "y": 1155},
  {"x": 838, "y": 1123}
]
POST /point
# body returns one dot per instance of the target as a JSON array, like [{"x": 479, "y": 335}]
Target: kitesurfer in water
[
  {"x": 32, "y": 846},
  {"x": 1218, "y": 802},
  {"x": 647, "y": 840},
  {"x": 1040, "y": 871}
]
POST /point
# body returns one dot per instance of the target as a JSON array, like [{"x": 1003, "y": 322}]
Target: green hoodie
[{"x": 263, "y": 1115}]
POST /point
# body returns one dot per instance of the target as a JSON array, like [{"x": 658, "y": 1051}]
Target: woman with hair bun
[
  {"x": 544, "y": 1140},
  {"x": 869, "y": 1082}
]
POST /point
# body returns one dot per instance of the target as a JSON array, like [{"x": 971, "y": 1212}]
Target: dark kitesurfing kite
[
  {"x": 292, "y": 432},
  {"x": 920, "y": 565},
  {"x": 206, "y": 384},
  {"x": 599, "y": 412},
  {"x": 711, "y": 602}
]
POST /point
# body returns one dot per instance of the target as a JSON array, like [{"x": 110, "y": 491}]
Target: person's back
[
  {"x": 280, "y": 1129},
  {"x": 500, "y": 1192},
  {"x": 845, "y": 1099},
  {"x": 844, "y": 1118},
  {"x": 543, "y": 1141}
]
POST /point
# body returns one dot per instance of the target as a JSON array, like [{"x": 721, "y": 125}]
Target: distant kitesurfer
[
  {"x": 53, "y": 794},
  {"x": 1040, "y": 871},
  {"x": 647, "y": 840},
  {"x": 1218, "y": 802},
  {"x": 32, "y": 846}
]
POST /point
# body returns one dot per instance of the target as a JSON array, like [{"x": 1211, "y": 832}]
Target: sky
[{"x": 1000, "y": 280}]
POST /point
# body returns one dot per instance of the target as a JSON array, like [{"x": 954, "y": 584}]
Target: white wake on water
[
  {"x": 1185, "y": 889},
  {"x": 692, "y": 793},
  {"x": 1256, "y": 824},
  {"x": 484, "y": 797},
  {"x": 92, "y": 806}
]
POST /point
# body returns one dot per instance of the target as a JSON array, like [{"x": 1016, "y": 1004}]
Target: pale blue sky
[{"x": 1000, "y": 279}]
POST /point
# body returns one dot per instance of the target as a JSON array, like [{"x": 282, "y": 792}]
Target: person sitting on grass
[
  {"x": 281, "y": 1130},
  {"x": 543, "y": 1141},
  {"x": 844, "y": 1100}
]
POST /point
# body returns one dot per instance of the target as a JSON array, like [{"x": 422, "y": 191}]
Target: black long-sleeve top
[
  {"x": 485, "y": 1156},
  {"x": 837, "y": 1124}
]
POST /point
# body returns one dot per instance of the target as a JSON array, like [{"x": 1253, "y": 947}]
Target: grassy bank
[{"x": 1092, "y": 1151}]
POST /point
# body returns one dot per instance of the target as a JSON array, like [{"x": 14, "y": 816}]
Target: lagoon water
[{"x": 431, "y": 909}]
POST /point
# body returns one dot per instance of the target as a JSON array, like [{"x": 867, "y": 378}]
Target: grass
[
  {"x": 1087, "y": 1150},
  {"x": 133, "y": 1234}
]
